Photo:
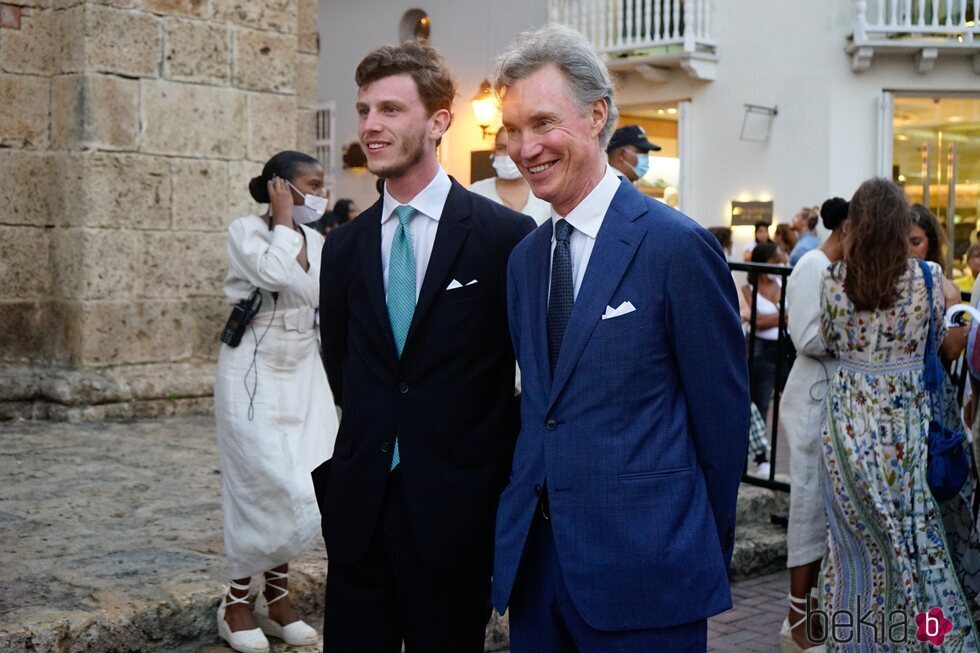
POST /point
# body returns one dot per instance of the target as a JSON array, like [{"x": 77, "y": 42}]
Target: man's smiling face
[{"x": 552, "y": 140}]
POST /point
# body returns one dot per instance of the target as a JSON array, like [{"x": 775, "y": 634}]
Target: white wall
[
  {"x": 824, "y": 140},
  {"x": 468, "y": 33}
]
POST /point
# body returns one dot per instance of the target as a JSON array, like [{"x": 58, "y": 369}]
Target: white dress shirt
[
  {"x": 586, "y": 218},
  {"x": 428, "y": 205}
]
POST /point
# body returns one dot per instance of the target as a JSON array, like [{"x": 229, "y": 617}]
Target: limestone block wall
[{"x": 128, "y": 132}]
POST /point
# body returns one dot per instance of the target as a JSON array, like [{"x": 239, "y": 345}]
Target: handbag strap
[{"x": 932, "y": 368}]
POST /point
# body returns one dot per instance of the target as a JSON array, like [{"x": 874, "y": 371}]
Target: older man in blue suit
[{"x": 616, "y": 529}]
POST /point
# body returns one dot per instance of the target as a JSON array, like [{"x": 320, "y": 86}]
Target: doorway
[
  {"x": 936, "y": 159},
  {"x": 663, "y": 124}
]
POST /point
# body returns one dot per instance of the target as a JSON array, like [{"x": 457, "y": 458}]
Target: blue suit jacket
[{"x": 641, "y": 436}]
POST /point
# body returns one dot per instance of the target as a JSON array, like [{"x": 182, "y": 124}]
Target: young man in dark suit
[{"x": 418, "y": 354}]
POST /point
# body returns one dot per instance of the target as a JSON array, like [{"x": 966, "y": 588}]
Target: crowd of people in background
[{"x": 628, "y": 419}]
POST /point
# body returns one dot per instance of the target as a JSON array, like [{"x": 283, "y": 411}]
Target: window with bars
[{"x": 323, "y": 144}]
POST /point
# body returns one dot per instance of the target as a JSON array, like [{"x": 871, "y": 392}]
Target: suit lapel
[
  {"x": 374, "y": 276},
  {"x": 452, "y": 231},
  {"x": 614, "y": 248},
  {"x": 536, "y": 303}
]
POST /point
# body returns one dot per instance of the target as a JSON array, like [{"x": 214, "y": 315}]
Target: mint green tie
[{"x": 401, "y": 288}]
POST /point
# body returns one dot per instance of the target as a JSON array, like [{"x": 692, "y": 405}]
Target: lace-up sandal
[
  {"x": 297, "y": 633},
  {"x": 243, "y": 641},
  {"x": 786, "y": 642}
]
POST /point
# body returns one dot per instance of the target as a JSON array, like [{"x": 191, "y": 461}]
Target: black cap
[{"x": 631, "y": 135}]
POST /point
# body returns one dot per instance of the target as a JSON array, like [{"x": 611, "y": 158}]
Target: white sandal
[
  {"x": 297, "y": 633},
  {"x": 786, "y": 642},
  {"x": 243, "y": 641}
]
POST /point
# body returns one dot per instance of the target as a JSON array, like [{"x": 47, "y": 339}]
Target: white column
[
  {"x": 685, "y": 151},
  {"x": 861, "y": 23},
  {"x": 689, "y": 27}
]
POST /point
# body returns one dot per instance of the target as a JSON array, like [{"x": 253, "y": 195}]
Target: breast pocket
[
  {"x": 463, "y": 294},
  {"x": 623, "y": 325}
]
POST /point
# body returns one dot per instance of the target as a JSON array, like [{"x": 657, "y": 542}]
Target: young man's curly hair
[{"x": 435, "y": 83}]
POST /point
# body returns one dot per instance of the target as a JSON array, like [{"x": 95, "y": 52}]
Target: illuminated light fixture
[
  {"x": 660, "y": 112},
  {"x": 902, "y": 137},
  {"x": 671, "y": 110},
  {"x": 955, "y": 118},
  {"x": 485, "y": 107}
]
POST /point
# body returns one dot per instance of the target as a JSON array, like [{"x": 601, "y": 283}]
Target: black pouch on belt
[{"x": 241, "y": 315}]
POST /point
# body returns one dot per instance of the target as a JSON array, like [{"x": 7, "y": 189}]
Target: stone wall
[{"x": 128, "y": 132}]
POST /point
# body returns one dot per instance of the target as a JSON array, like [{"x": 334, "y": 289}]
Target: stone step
[{"x": 760, "y": 546}]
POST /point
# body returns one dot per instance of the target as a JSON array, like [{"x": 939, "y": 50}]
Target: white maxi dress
[
  {"x": 275, "y": 375},
  {"x": 801, "y": 411}
]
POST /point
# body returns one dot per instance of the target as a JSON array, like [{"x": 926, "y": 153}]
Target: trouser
[{"x": 393, "y": 595}]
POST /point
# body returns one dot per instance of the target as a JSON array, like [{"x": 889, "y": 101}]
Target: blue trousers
[{"x": 544, "y": 620}]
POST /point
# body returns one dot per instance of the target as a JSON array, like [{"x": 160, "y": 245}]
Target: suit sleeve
[
  {"x": 333, "y": 317},
  {"x": 705, "y": 332}
]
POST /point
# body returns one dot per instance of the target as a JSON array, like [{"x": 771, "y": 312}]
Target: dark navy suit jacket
[
  {"x": 641, "y": 435},
  {"x": 449, "y": 398}
]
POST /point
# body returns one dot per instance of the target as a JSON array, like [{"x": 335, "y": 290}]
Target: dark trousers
[
  {"x": 392, "y": 595},
  {"x": 544, "y": 620},
  {"x": 762, "y": 379}
]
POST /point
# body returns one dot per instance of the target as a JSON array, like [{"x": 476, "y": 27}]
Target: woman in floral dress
[{"x": 887, "y": 547}]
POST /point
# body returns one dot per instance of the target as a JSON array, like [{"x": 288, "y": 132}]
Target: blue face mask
[{"x": 642, "y": 165}]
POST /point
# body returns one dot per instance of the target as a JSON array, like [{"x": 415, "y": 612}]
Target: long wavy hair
[
  {"x": 929, "y": 223},
  {"x": 875, "y": 244}
]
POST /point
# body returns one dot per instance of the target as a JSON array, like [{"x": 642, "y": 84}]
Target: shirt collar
[
  {"x": 429, "y": 201},
  {"x": 588, "y": 214}
]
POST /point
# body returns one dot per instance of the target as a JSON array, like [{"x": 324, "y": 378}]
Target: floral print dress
[{"x": 887, "y": 547}]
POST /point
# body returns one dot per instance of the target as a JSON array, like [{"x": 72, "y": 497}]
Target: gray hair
[{"x": 567, "y": 49}]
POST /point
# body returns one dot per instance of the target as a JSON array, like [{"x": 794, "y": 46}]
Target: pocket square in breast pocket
[
  {"x": 453, "y": 285},
  {"x": 624, "y": 309}
]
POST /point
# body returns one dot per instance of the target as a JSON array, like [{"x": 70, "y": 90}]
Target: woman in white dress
[
  {"x": 800, "y": 414},
  {"x": 274, "y": 409}
]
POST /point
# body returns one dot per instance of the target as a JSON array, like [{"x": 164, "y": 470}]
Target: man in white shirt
[
  {"x": 418, "y": 355},
  {"x": 617, "y": 526}
]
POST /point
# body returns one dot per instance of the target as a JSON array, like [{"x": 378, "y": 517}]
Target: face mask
[
  {"x": 505, "y": 167},
  {"x": 642, "y": 165},
  {"x": 312, "y": 209}
]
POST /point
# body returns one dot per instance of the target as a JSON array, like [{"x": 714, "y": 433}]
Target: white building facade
[{"x": 790, "y": 102}]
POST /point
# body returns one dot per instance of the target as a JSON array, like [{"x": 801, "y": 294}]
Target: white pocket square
[
  {"x": 624, "y": 309},
  {"x": 454, "y": 284}
]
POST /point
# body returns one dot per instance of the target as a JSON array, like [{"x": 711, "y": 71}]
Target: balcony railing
[
  {"x": 924, "y": 28},
  {"x": 647, "y": 35}
]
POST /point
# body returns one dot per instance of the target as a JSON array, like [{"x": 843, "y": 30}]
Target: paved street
[{"x": 110, "y": 539}]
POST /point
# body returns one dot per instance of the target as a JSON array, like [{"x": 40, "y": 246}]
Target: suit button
[
  {"x": 386, "y": 447},
  {"x": 537, "y": 489},
  {"x": 551, "y": 424},
  {"x": 403, "y": 388}
]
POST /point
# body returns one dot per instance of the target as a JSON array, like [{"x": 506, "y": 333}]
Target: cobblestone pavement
[
  {"x": 752, "y": 625},
  {"x": 111, "y": 539}
]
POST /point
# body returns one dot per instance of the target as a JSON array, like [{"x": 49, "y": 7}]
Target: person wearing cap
[{"x": 629, "y": 152}]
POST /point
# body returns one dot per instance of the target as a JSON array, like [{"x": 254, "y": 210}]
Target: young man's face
[{"x": 394, "y": 127}]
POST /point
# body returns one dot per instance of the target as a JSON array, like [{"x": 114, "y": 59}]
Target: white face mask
[
  {"x": 505, "y": 167},
  {"x": 311, "y": 210}
]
